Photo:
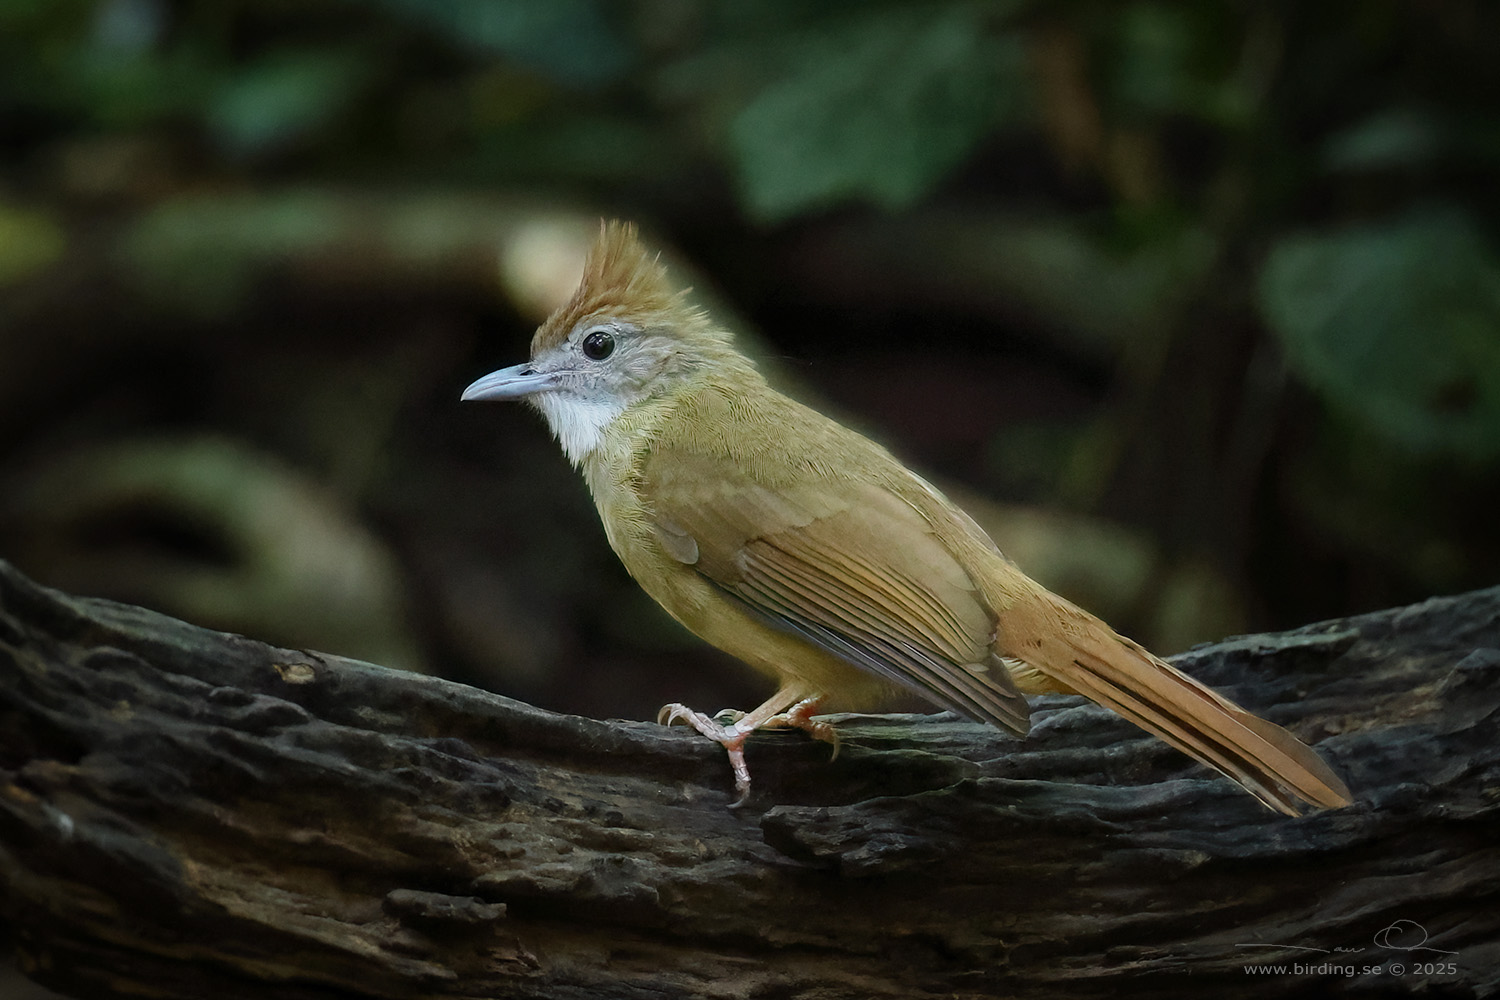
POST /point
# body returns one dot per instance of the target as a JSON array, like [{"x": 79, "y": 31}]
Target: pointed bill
[{"x": 515, "y": 382}]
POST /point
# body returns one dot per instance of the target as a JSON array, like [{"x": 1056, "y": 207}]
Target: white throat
[{"x": 578, "y": 422}]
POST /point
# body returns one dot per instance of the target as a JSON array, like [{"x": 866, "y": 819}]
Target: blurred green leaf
[
  {"x": 203, "y": 254},
  {"x": 123, "y": 89},
  {"x": 30, "y": 239},
  {"x": 133, "y": 26},
  {"x": 1391, "y": 138},
  {"x": 1397, "y": 325},
  {"x": 574, "y": 41},
  {"x": 283, "y": 96},
  {"x": 881, "y": 109},
  {"x": 1156, "y": 43},
  {"x": 1177, "y": 59}
]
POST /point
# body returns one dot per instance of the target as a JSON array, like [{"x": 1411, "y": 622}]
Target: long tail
[{"x": 1080, "y": 653}]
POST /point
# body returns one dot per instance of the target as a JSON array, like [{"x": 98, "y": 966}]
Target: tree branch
[{"x": 186, "y": 813}]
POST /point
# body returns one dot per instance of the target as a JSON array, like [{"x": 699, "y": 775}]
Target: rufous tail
[{"x": 1088, "y": 657}]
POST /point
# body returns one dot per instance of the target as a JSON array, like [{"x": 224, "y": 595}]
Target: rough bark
[{"x": 185, "y": 813}]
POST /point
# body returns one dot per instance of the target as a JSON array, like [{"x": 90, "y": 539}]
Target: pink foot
[
  {"x": 800, "y": 716},
  {"x": 730, "y": 737}
]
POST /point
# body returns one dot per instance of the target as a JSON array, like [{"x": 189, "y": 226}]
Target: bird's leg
[
  {"x": 800, "y": 716},
  {"x": 732, "y": 736}
]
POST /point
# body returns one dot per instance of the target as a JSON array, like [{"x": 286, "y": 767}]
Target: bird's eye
[{"x": 598, "y": 345}]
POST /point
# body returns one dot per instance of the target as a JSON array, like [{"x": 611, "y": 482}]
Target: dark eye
[{"x": 598, "y": 345}]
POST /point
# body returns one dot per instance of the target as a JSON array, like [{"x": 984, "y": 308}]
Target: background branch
[{"x": 188, "y": 813}]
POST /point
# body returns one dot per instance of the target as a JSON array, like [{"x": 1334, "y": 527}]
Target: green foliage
[
  {"x": 1112, "y": 176},
  {"x": 30, "y": 240},
  {"x": 574, "y": 41},
  {"x": 201, "y": 255},
  {"x": 1171, "y": 59},
  {"x": 283, "y": 97},
  {"x": 1393, "y": 138},
  {"x": 880, "y": 107},
  {"x": 1398, "y": 323}
]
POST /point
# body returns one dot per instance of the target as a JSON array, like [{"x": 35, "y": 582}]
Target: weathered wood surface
[{"x": 185, "y": 813}]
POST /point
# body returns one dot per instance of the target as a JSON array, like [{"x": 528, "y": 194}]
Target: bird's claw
[
  {"x": 800, "y": 716},
  {"x": 730, "y": 737}
]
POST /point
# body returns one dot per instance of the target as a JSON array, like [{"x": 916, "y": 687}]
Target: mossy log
[{"x": 189, "y": 814}]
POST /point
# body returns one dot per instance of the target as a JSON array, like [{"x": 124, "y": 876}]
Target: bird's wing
[{"x": 848, "y": 566}]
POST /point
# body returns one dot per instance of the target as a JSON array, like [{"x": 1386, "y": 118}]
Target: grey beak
[{"x": 515, "y": 382}]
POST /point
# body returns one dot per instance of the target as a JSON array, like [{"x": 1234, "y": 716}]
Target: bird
[{"x": 811, "y": 553}]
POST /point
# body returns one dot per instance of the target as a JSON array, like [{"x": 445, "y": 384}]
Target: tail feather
[{"x": 1269, "y": 762}]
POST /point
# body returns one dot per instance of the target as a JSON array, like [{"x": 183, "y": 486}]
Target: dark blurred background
[{"x": 1197, "y": 305}]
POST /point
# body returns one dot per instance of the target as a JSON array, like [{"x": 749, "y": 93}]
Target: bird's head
[{"x": 627, "y": 335}]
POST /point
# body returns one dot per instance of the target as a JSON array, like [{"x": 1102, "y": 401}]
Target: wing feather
[
  {"x": 848, "y": 566},
  {"x": 866, "y": 631},
  {"x": 906, "y": 597}
]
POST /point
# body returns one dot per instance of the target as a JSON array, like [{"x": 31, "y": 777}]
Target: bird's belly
[{"x": 722, "y": 621}]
